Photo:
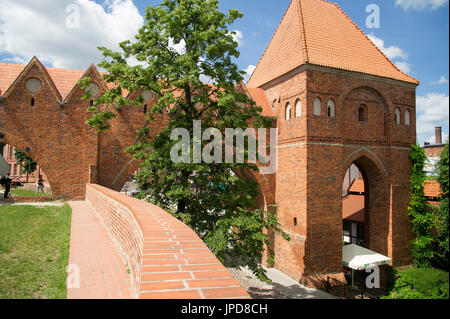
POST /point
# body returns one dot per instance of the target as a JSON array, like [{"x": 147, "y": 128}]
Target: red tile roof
[
  {"x": 432, "y": 188},
  {"x": 8, "y": 73},
  {"x": 64, "y": 79},
  {"x": 435, "y": 204},
  {"x": 320, "y": 33},
  {"x": 353, "y": 208},
  {"x": 261, "y": 100},
  {"x": 357, "y": 186}
]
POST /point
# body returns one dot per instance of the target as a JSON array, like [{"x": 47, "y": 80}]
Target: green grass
[
  {"x": 25, "y": 192},
  {"x": 34, "y": 251}
]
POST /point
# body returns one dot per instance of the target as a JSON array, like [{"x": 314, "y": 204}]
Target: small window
[
  {"x": 288, "y": 112},
  {"x": 145, "y": 108},
  {"x": 298, "y": 108},
  {"x": 362, "y": 114},
  {"x": 397, "y": 116},
  {"x": 331, "y": 111},
  {"x": 32, "y": 103},
  {"x": 91, "y": 103},
  {"x": 295, "y": 221},
  {"x": 407, "y": 117},
  {"x": 317, "y": 107}
]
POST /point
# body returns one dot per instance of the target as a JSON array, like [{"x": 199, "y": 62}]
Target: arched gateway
[{"x": 346, "y": 95}]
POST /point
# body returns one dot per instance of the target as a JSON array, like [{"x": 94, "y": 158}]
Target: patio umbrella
[
  {"x": 4, "y": 167},
  {"x": 360, "y": 258}
]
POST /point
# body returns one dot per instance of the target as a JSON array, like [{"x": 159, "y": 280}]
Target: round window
[
  {"x": 33, "y": 85},
  {"x": 147, "y": 95},
  {"x": 94, "y": 89}
]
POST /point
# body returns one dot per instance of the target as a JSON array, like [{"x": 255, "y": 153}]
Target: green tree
[
  {"x": 217, "y": 203},
  {"x": 422, "y": 215},
  {"x": 442, "y": 213},
  {"x": 28, "y": 165}
]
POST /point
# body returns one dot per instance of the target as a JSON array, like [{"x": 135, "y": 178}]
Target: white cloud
[
  {"x": 249, "y": 71},
  {"x": 432, "y": 110},
  {"x": 238, "y": 37},
  {"x": 179, "y": 47},
  {"x": 421, "y": 4},
  {"x": 392, "y": 52},
  {"x": 397, "y": 55},
  {"x": 403, "y": 65},
  {"x": 30, "y": 27},
  {"x": 442, "y": 80}
]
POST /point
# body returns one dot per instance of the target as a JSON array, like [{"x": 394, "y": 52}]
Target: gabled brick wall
[{"x": 166, "y": 259}]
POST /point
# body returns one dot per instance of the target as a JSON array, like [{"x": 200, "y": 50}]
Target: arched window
[
  {"x": 317, "y": 106},
  {"x": 298, "y": 108},
  {"x": 407, "y": 117},
  {"x": 331, "y": 110},
  {"x": 362, "y": 113},
  {"x": 397, "y": 116},
  {"x": 288, "y": 112}
]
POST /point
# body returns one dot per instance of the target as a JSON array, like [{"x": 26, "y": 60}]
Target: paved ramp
[{"x": 102, "y": 273}]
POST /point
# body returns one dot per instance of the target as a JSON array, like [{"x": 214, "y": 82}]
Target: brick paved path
[{"x": 103, "y": 274}]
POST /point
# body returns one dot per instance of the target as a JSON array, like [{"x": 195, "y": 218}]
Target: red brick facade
[
  {"x": 52, "y": 131},
  {"x": 348, "y": 105},
  {"x": 316, "y": 151}
]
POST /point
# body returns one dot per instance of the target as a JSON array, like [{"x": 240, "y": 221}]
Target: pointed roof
[
  {"x": 320, "y": 33},
  {"x": 34, "y": 62},
  {"x": 68, "y": 79},
  {"x": 259, "y": 96},
  {"x": 63, "y": 79}
]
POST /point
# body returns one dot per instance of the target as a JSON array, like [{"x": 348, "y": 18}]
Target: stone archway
[
  {"x": 375, "y": 200},
  {"x": 36, "y": 156}
]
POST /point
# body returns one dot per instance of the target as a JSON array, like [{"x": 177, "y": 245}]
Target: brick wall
[
  {"x": 314, "y": 154},
  {"x": 166, "y": 259}
]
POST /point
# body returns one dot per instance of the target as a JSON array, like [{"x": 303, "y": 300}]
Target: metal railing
[
  {"x": 347, "y": 291},
  {"x": 336, "y": 287}
]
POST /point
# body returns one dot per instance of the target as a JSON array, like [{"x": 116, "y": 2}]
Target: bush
[{"x": 428, "y": 283}]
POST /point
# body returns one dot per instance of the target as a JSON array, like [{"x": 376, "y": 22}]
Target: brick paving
[{"x": 103, "y": 274}]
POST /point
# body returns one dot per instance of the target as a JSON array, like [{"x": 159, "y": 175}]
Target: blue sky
[{"x": 413, "y": 33}]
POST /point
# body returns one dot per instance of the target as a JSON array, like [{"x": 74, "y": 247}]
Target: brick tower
[{"x": 338, "y": 101}]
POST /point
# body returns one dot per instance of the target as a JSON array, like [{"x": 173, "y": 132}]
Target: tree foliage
[
  {"x": 421, "y": 283},
  {"x": 442, "y": 212},
  {"x": 28, "y": 165},
  {"x": 182, "y": 45},
  {"x": 422, "y": 216},
  {"x": 430, "y": 247}
]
